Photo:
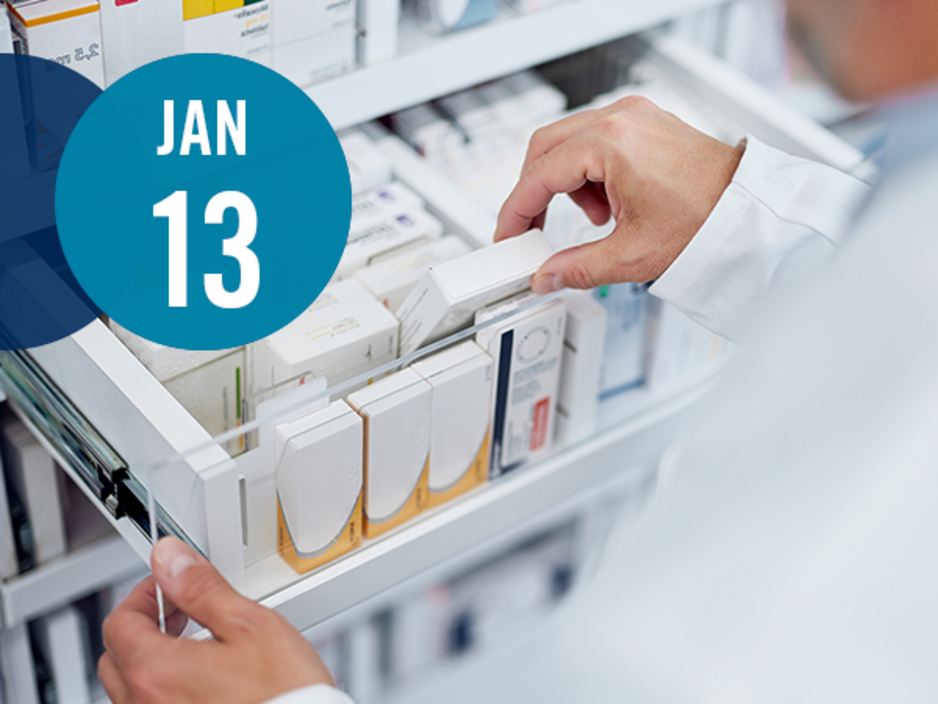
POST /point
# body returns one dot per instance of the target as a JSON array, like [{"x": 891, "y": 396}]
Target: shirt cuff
[{"x": 314, "y": 694}]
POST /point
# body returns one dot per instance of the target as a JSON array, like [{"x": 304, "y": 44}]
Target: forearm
[{"x": 776, "y": 226}]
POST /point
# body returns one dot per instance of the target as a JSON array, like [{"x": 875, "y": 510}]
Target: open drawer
[{"x": 124, "y": 438}]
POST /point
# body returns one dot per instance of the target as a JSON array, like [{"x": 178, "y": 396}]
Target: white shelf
[
  {"x": 67, "y": 578},
  {"x": 429, "y": 67},
  {"x": 569, "y": 480}
]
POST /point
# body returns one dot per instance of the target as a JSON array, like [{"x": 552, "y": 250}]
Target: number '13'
[{"x": 175, "y": 209}]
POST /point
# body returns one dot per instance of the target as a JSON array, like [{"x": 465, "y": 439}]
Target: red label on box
[{"x": 539, "y": 424}]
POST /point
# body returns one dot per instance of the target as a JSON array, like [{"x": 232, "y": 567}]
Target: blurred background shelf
[
  {"x": 68, "y": 578},
  {"x": 428, "y": 67}
]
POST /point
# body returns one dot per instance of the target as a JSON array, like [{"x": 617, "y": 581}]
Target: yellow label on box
[
  {"x": 417, "y": 502},
  {"x": 350, "y": 539},
  {"x": 223, "y": 5},
  {"x": 191, "y": 9},
  {"x": 476, "y": 474}
]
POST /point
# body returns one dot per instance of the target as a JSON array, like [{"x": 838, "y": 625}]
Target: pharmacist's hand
[
  {"x": 256, "y": 654},
  {"x": 656, "y": 176}
]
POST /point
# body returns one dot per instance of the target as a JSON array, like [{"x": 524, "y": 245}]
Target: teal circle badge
[{"x": 203, "y": 201}]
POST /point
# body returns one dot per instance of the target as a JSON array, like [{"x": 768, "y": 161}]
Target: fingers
[
  {"x": 198, "y": 589},
  {"x": 131, "y": 632},
  {"x": 592, "y": 200},
  {"x": 547, "y": 138},
  {"x": 563, "y": 170},
  {"x": 599, "y": 263},
  {"x": 112, "y": 679}
]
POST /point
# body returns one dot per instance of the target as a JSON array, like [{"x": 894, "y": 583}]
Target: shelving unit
[
  {"x": 428, "y": 67},
  {"x": 65, "y": 579}
]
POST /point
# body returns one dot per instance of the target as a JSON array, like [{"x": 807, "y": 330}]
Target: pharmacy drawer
[{"x": 119, "y": 432}]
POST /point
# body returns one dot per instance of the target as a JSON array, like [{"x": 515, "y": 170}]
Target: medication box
[
  {"x": 393, "y": 279},
  {"x": 384, "y": 199},
  {"x": 378, "y": 29},
  {"x": 319, "y": 486},
  {"x": 6, "y": 34},
  {"x": 368, "y": 167},
  {"x": 584, "y": 340},
  {"x": 215, "y": 28},
  {"x": 337, "y": 347},
  {"x": 136, "y": 33},
  {"x": 15, "y": 164},
  {"x": 460, "y": 430},
  {"x": 396, "y": 411},
  {"x": 527, "y": 349},
  {"x": 372, "y": 238},
  {"x": 624, "y": 352},
  {"x": 313, "y": 39},
  {"x": 441, "y": 16},
  {"x": 210, "y": 384},
  {"x": 67, "y": 32},
  {"x": 338, "y": 297},
  {"x": 448, "y": 295}
]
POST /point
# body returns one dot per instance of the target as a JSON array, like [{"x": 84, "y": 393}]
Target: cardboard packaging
[
  {"x": 210, "y": 384},
  {"x": 378, "y": 22},
  {"x": 319, "y": 486},
  {"x": 339, "y": 297},
  {"x": 624, "y": 353},
  {"x": 214, "y": 394},
  {"x": 396, "y": 411},
  {"x": 368, "y": 167},
  {"x": 15, "y": 165},
  {"x": 469, "y": 109},
  {"x": 62, "y": 638},
  {"x": 583, "y": 344},
  {"x": 232, "y": 28},
  {"x": 136, "y": 33},
  {"x": 373, "y": 238},
  {"x": 6, "y": 33},
  {"x": 527, "y": 349},
  {"x": 425, "y": 129},
  {"x": 527, "y": 7},
  {"x": 65, "y": 31},
  {"x": 9, "y": 563},
  {"x": 391, "y": 280},
  {"x": 384, "y": 199},
  {"x": 32, "y": 475},
  {"x": 683, "y": 352},
  {"x": 460, "y": 432},
  {"x": 542, "y": 101},
  {"x": 441, "y": 16},
  {"x": 337, "y": 347},
  {"x": 315, "y": 58},
  {"x": 448, "y": 295}
]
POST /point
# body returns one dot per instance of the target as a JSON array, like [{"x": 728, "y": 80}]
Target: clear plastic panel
[{"x": 254, "y": 503}]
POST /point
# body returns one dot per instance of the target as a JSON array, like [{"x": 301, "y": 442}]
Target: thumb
[
  {"x": 585, "y": 266},
  {"x": 196, "y": 588}
]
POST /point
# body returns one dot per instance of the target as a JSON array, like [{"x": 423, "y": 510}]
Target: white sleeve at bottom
[
  {"x": 777, "y": 224},
  {"x": 314, "y": 694}
]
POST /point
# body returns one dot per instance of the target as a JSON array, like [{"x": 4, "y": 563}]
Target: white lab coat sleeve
[
  {"x": 314, "y": 694},
  {"x": 776, "y": 225}
]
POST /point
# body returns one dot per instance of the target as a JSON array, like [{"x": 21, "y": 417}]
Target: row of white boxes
[
  {"x": 304, "y": 40},
  {"x": 533, "y": 379}
]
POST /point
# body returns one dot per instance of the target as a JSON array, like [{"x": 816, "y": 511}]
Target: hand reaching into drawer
[
  {"x": 656, "y": 176},
  {"x": 255, "y": 656}
]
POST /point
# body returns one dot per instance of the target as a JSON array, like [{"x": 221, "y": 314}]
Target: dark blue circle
[
  {"x": 40, "y": 104},
  {"x": 293, "y": 171}
]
